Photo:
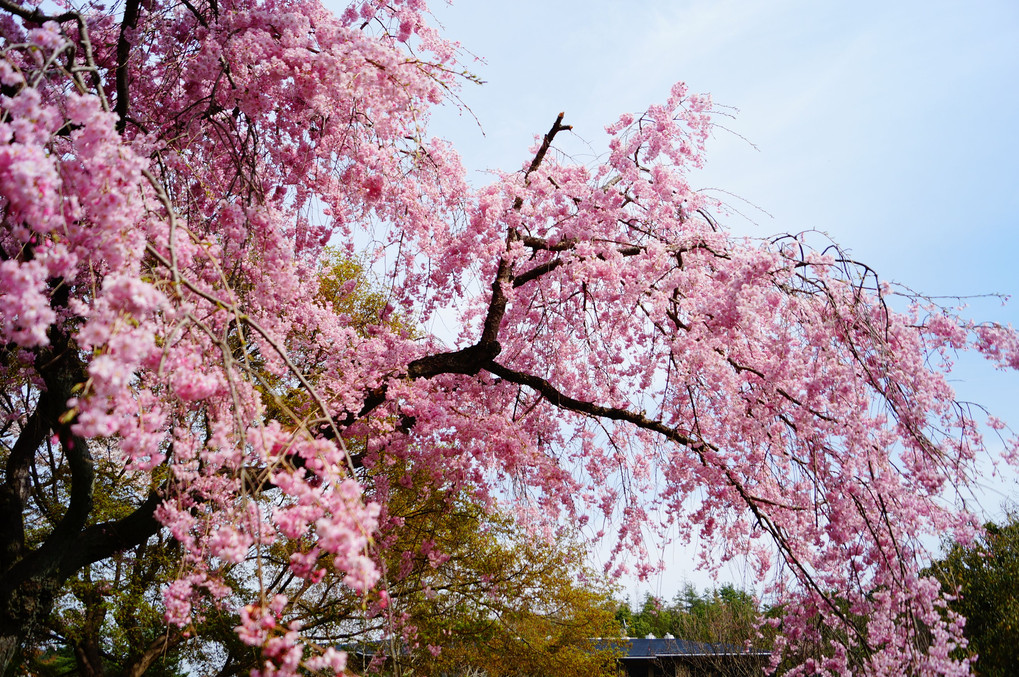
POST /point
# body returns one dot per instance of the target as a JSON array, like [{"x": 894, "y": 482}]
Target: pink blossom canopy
[{"x": 170, "y": 175}]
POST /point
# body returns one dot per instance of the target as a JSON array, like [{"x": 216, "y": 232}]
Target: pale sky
[{"x": 892, "y": 126}]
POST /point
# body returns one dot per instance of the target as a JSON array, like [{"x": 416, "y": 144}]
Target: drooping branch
[{"x": 755, "y": 504}]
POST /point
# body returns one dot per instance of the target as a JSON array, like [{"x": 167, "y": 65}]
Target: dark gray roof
[{"x": 638, "y": 648}]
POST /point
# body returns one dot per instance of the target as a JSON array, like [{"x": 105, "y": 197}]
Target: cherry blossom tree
[
  {"x": 169, "y": 178},
  {"x": 463, "y": 585}
]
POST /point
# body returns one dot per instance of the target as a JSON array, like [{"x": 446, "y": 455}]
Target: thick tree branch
[
  {"x": 140, "y": 664},
  {"x": 79, "y": 458},
  {"x": 504, "y": 275},
  {"x": 540, "y": 244},
  {"x": 15, "y": 489},
  {"x": 127, "y": 25},
  {"x": 104, "y": 540},
  {"x": 60, "y": 369},
  {"x": 544, "y": 268},
  {"x": 467, "y": 361},
  {"x": 546, "y": 143},
  {"x": 474, "y": 358},
  {"x": 566, "y": 245},
  {"x": 36, "y": 15},
  {"x": 537, "y": 271}
]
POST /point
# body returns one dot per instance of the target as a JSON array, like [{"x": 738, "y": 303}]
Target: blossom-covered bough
[{"x": 170, "y": 174}]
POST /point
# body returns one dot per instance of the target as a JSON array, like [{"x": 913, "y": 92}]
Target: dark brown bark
[
  {"x": 9, "y": 644},
  {"x": 128, "y": 24},
  {"x": 87, "y": 653},
  {"x": 15, "y": 489}
]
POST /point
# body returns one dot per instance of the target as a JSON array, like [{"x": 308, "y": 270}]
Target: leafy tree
[
  {"x": 725, "y": 615},
  {"x": 725, "y": 620},
  {"x": 476, "y": 593},
  {"x": 169, "y": 176},
  {"x": 985, "y": 576}
]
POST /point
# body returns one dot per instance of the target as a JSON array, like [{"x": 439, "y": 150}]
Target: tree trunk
[
  {"x": 86, "y": 650},
  {"x": 88, "y": 659},
  {"x": 140, "y": 664}
]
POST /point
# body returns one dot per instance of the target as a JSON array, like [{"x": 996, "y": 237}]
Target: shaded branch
[
  {"x": 104, "y": 540},
  {"x": 128, "y": 24},
  {"x": 159, "y": 646},
  {"x": 36, "y": 15},
  {"x": 15, "y": 489}
]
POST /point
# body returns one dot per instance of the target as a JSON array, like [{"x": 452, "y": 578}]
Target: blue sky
[{"x": 890, "y": 126}]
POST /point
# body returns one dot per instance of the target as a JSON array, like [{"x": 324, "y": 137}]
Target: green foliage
[
  {"x": 986, "y": 576},
  {"x": 344, "y": 283},
  {"x": 724, "y": 615}
]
